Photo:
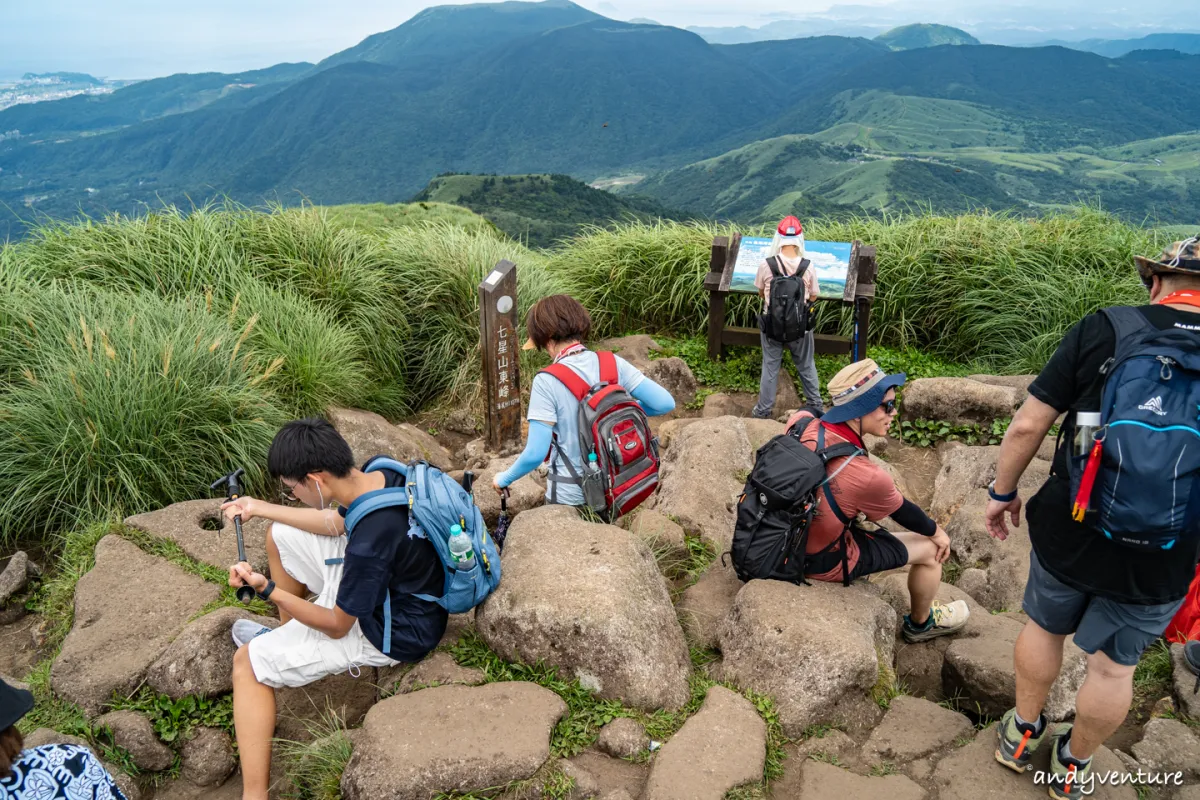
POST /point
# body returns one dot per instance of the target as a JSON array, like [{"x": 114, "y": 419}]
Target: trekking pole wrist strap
[{"x": 1001, "y": 498}]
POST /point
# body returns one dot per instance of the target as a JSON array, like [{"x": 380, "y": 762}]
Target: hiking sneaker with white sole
[
  {"x": 1016, "y": 742},
  {"x": 246, "y": 629},
  {"x": 1066, "y": 780},
  {"x": 947, "y": 618}
]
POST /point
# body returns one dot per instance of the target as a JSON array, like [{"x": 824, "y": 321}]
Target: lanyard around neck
[{"x": 570, "y": 351}]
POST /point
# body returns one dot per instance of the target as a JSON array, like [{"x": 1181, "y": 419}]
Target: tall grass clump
[
  {"x": 995, "y": 289},
  {"x": 126, "y": 402},
  {"x": 437, "y": 269}
]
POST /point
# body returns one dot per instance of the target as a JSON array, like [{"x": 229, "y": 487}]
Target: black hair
[{"x": 309, "y": 445}]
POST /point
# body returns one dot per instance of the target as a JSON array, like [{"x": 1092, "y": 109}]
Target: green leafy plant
[
  {"x": 175, "y": 719},
  {"x": 926, "y": 433}
]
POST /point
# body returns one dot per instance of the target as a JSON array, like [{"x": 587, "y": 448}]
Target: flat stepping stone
[
  {"x": 724, "y": 745},
  {"x": 203, "y": 533},
  {"x": 914, "y": 728},
  {"x": 452, "y": 738},
  {"x": 128, "y": 608}
]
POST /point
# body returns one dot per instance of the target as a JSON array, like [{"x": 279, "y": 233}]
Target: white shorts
[{"x": 294, "y": 654}]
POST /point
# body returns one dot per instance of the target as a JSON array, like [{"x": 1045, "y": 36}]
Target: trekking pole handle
[{"x": 245, "y": 593}]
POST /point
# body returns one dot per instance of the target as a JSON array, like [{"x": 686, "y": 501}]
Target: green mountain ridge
[
  {"x": 538, "y": 209},
  {"x": 523, "y": 88},
  {"x": 912, "y": 37}
]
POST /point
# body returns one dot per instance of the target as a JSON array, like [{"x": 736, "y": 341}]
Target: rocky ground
[{"x": 673, "y": 679}]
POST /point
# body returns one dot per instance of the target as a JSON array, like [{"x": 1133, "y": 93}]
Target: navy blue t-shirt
[{"x": 386, "y": 553}]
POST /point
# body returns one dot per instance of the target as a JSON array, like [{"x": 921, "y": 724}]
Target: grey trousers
[{"x": 803, "y": 356}]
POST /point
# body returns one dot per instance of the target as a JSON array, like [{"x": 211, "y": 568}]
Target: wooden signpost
[
  {"x": 501, "y": 357},
  {"x": 859, "y": 293}
]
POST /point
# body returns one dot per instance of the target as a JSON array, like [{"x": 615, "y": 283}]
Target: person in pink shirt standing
[{"x": 784, "y": 260}]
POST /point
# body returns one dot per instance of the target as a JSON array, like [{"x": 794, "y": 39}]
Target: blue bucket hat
[{"x": 858, "y": 390}]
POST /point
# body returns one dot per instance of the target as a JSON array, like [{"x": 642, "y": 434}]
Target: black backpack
[
  {"x": 778, "y": 504},
  {"x": 786, "y": 317}
]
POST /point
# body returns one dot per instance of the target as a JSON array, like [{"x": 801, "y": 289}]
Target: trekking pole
[{"x": 245, "y": 593}]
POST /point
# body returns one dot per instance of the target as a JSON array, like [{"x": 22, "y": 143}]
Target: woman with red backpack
[
  {"x": 788, "y": 285},
  {"x": 559, "y": 324}
]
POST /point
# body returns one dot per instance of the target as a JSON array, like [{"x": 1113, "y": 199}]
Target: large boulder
[
  {"x": 674, "y": 375},
  {"x": 706, "y": 603},
  {"x": 972, "y": 771},
  {"x": 203, "y": 533},
  {"x": 200, "y": 660},
  {"x": 635, "y": 349},
  {"x": 451, "y": 738},
  {"x": 588, "y": 598},
  {"x": 1168, "y": 745},
  {"x": 959, "y": 401},
  {"x": 524, "y": 493},
  {"x": 663, "y": 535},
  {"x": 761, "y": 431},
  {"x": 815, "y": 649},
  {"x": 965, "y": 470},
  {"x": 1183, "y": 684},
  {"x": 126, "y": 586},
  {"x": 439, "y": 669},
  {"x": 207, "y": 757},
  {"x": 919, "y": 664},
  {"x": 369, "y": 435},
  {"x": 721, "y": 405},
  {"x": 134, "y": 732},
  {"x": 914, "y": 728},
  {"x": 1005, "y": 563},
  {"x": 1020, "y": 383},
  {"x": 979, "y": 670},
  {"x": 724, "y": 745},
  {"x": 668, "y": 430},
  {"x": 300, "y": 711},
  {"x": 703, "y": 473},
  {"x": 14, "y": 577}
]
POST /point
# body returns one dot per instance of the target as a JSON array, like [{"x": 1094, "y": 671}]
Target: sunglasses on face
[{"x": 888, "y": 406}]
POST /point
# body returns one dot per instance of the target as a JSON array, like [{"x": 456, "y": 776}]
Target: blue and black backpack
[
  {"x": 1147, "y": 489},
  {"x": 436, "y": 502}
]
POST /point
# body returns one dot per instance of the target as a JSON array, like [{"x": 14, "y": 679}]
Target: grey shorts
[{"x": 1122, "y": 631}]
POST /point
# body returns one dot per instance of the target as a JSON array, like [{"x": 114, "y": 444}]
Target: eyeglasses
[
  {"x": 889, "y": 406},
  {"x": 287, "y": 494}
]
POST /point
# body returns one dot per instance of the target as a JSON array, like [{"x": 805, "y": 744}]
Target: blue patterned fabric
[{"x": 57, "y": 771}]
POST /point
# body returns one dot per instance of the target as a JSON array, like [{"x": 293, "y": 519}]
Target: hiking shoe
[
  {"x": 1016, "y": 742},
  {"x": 1066, "y": 779},
  {"x": 1191, "y": 657},
  {"x": 246, "y": 629},
  {"x": 944, "y": 619}
]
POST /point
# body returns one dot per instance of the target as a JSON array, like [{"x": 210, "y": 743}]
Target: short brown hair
[
  {"x": 11, "y": 745},
  {"x": 558, "y": 318}
]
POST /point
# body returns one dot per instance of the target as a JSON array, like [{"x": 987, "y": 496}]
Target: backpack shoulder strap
[
  {"x": 569, "y": 378},
  {"x": 804, "y": 265},
  {"x": 1127, "y": 321},
  {"x": 387, "y": 463},
  {"x": 825, "y": 485},
  {"x": 608, "y": 368},
  {"x": 373, "y": 501},
  {"x": 773, "y": 265}
]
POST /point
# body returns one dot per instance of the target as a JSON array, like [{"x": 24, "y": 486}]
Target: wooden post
[
  {"x": 716, "y": 298},
  {"x": 501, "y": 357},
  {"x": 864, "y": 294}
]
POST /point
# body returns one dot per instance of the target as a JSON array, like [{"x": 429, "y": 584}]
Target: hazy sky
[{"x": 149, "y": 38}]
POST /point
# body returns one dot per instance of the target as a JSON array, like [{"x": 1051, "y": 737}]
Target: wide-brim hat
[
  {"x": 14, "y": 704},
  {"x": 1180, "y": 257},
  {"x": 859, "y": 389}
]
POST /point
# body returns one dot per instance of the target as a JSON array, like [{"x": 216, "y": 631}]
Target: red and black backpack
[{"x": 620, "y": 454}]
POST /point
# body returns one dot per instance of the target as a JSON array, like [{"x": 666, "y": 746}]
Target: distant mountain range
[
  {"x": 914, "y": 37},
  {"x": 825, "y": 124}
]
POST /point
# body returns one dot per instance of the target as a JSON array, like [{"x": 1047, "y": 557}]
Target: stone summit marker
[{"x": 501, "y": 356}]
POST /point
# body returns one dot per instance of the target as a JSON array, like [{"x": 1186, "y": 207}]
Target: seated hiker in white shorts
[{"x": 344, "y": 630}]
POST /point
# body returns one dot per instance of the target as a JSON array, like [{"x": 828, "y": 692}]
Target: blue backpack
[
  {"x": 436, "y": 502},
  {"x": 1147, "y": 491}
]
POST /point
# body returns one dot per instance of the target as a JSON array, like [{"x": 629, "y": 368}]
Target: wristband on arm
[{"x": 1001, "y": 498}]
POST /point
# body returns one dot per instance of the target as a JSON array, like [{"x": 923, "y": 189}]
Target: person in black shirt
[
  {"x": 342, "y": 631},
  {"x": 1115, "y": 600}
]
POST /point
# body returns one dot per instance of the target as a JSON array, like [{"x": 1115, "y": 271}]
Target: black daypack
[
  {"x": 786, "y": 317},
  {"x": 777, "y": 505}
]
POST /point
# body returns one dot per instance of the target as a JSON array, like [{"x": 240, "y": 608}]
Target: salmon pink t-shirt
[{"x": 862, "y": 487}]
